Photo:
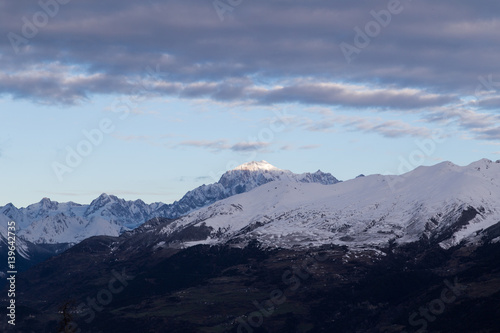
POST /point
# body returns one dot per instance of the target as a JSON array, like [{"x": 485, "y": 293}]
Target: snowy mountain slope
[
  {"x": 68, "y": 229},
  {"x": 128, "y": 213},
  {"x": 25, "y": 216},
  {"x": 20, "y": 244},
  {"x": 239, "y": 180},
  {"x": 27, "y": 253},
  {"x": 50, "y": 222},
  {"x": 444, "y": 203},
  {"x": 368, "y": 216}
]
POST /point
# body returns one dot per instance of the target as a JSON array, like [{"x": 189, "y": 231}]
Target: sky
[{"x": 150, "y": 99}]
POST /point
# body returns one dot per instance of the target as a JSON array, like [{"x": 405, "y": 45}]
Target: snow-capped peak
[
  {"x": 445, "y": 204},
  {"x": 48, "y": 204},
  {"x": 256, "y": 166}
]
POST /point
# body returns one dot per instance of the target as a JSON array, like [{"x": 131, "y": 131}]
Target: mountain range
[
  {"x": 50, "y": 222},
  {"x": 369, "y": 254},
  {"x": 444, "y": 203},
  {"x": 48, "y": 227}
]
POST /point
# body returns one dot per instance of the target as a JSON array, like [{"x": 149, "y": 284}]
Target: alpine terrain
[
  {"x": 301, "y": 253},
  {"x": 50, "y": 222},
  {"x": 56, "y": 226}
]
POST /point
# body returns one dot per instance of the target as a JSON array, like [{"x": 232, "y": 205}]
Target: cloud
[
  {"x": 216, "y": 145},
  {"x": 202, "y": 178},
  {"x": 488, "y": 134},
  {"x": 303, "y": 147},
  {"x": 387, "y": 128},
  {"x": 249, "y": 146},
  {"x": 489, "y": 103},
  {"x": 354, "y": 96},
  {"x": 289, "y": 39},
  {"x": 286, "y": 147},
  {"x": 481, "y": 125},
  {"x": 219, "y": 145},
  {"x": 308, "y": 147},
  {"x": 270, "y": 52}
]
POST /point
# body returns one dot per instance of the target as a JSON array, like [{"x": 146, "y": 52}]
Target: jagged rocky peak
[
  {"x": 103, "y": 199},
  {"x": 99, "y": 203},
  {"x": 250, "y": 175},
  {"x": 110, "y": 215},
  {"x": 46, "y": 203},
  {"x": 139, "y": 202},
  {"x": 8, "y": 208},
  {"x": 319, "y": 176},
  {"x": 256, "y": 166}
]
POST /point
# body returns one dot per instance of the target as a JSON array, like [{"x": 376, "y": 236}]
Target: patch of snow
[
  {"x": 368, "y": 211},
  {"x": 495, "y": 240},
  {"x": 256, "y": 166}
]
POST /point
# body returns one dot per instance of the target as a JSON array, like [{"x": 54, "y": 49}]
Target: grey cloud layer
[
  {"x": 219, "y": 145},
  {"x": 266, "y": 52}
]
